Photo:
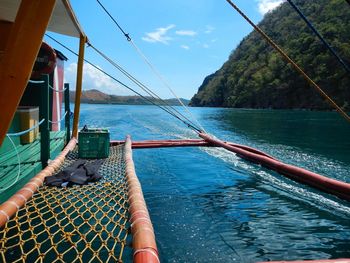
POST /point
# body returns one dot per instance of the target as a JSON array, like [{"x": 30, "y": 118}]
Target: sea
[{"x": 209, "y": 205}]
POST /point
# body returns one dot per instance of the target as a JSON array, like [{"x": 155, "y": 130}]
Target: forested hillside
[
  {"x": 256, "y": 76},
  {"x": 94, "y": 96}
]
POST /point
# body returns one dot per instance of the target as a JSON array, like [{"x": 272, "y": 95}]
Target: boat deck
[
  {"x": 30, "y": 163},
  {"x": 88, "y": 223}
]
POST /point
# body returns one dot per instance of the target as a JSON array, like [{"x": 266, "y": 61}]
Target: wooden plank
[
  {"x": 28, "y": 172},
  {"x": 5, "y": 171},
  {"x": 12, "y": 175},
  {"x": 22, "y": 149},
  {"x": 11, "y": 154},
  {"x": 26, "y": 156},
  {"x": 21, "y": 50},
  {"x": 55, "y": 135},
  {"x": 32, "y": 149},
  {"x": 31, "y": 152},
  {"x": 56, "y": 151}
]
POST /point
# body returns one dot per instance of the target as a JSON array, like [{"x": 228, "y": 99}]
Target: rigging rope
[
  {"x": 165, "y": 83},
  {"x": 62, "y": 118},
  {"x": 328, "y": 46},
  {"x": 140, "y": 84},
  {"x": 36, "y": 81},
  {"x": 26, "y": 131},
  {"x": 152, "y": 67},
  {"x": 126, "y": 86},
  {"x": 296, "y": 67},
  {"x": 57, "y": 90},
  {"x": 19, "y": 166},
  {"x": 120, "y": 28}
]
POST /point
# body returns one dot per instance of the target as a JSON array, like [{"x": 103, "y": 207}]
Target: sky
[{"x": 185, "y": 40}]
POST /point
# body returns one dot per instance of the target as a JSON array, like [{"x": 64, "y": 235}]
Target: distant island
[
  {"x": 94, "y": 96},
  {"x": 256, "y": 76}
]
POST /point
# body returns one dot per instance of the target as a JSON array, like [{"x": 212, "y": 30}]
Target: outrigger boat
[{"x": 89, "y": 222}]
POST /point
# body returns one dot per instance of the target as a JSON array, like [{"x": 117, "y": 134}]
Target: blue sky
[{"x": 186, "y": 40}]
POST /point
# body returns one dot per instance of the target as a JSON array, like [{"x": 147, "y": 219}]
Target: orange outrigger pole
[
  {"x": 323, "y": 183},
  {"x": 144, "y": 241}
]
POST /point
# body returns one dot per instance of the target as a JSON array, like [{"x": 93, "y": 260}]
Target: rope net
[{"x": 76, "y": 224}]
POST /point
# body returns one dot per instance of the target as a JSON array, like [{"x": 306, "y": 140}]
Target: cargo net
[{"x": 75, "y": 224}]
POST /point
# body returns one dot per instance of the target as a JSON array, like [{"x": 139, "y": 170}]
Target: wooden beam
[
  {"x": 18, "y": 59},
  {"x": 5, "y": 30},
  {"x": 78, "y": 86}
]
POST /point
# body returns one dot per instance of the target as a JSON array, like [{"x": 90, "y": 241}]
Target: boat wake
[{"x": 283, "y": 185}]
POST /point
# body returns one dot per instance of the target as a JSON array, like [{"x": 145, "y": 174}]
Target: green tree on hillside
[{"x": 255, "y": 76}]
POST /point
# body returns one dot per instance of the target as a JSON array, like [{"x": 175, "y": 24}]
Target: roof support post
[
  {"x": 45, "y": 127},
  {"x": 67, "y": 111},
  {"x": 19, "y": 56},
  {"x": 78, "y": 86}
]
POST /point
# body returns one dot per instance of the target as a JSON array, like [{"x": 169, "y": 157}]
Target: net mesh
[{"x": 75, "y": 224}]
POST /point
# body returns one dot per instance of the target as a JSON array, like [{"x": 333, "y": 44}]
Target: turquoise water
[{"x": 208, "y": 205}]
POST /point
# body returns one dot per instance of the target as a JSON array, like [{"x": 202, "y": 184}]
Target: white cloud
[
  {"x": 268, "y": 5},
  {"x": 190, "y": 33},
  {"x": 159, "y": 35},
  {"x": 209, "y": 29},
  {"x": 94, "y": 79},
  {"x": 185, "y": 47}
]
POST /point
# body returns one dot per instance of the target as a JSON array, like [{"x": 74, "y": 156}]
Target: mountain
[
  {"x": 94, "y": 96},
  {"x": 256, "y": 76}
]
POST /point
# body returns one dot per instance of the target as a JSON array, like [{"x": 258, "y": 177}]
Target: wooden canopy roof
[{"x": 63, "y": 19}]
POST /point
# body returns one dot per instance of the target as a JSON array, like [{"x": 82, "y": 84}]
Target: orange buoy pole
[
  {"x": 14, "y": 203},
  {"x": 22, "y": 46},
  {"x": 144, "y": 242},
  {"x": 325, "y": 184},
  {"x": 79, "y": 84}
]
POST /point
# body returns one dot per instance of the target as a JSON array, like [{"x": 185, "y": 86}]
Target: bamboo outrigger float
[{"x": 126, "y": 207}]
